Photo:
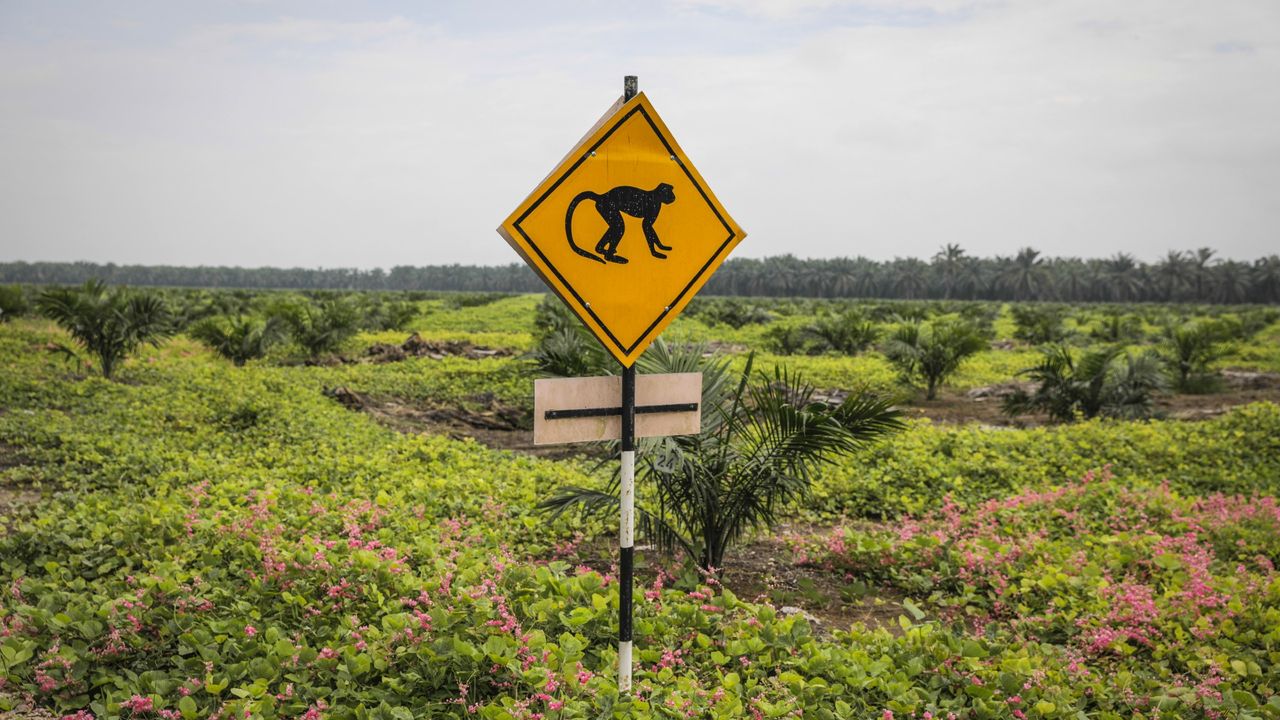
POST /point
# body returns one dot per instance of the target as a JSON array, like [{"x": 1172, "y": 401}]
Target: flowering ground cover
[{"x": 227, "y": 542}]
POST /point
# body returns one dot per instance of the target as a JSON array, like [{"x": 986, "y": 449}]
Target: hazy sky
[{"x": 320, "y": 133}]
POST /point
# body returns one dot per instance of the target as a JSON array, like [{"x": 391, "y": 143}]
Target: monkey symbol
[{"x": 643, "y": 204}]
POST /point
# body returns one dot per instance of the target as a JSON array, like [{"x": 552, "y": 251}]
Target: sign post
[
  {"x": 626, "y": 493},
  {"x": 661, "y": 234}
]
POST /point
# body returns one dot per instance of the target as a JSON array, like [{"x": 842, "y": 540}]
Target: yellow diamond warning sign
[{"x": 624, "y": 230}]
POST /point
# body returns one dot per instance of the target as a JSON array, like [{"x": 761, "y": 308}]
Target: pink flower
[
  {"x": 137, "y": 704},
  {"x": 250, "y": 630}
]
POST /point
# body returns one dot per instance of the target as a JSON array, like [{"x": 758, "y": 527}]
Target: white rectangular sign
[{"x": 569, "y": 410}]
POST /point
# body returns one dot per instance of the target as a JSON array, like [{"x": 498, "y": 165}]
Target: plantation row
[
  {"x": 951, "y": 273},
  {"x": 1110, "y": 361},
  {"x": 228, "y": 542}
]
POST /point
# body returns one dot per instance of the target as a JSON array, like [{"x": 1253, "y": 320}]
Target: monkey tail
[{"x": 568, "y": 224}]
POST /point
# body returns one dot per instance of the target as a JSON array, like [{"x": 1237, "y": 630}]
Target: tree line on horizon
[{"x": 951, "y": 274}]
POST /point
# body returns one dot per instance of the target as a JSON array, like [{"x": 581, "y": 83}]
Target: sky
[{"x": 319, "y": 133}]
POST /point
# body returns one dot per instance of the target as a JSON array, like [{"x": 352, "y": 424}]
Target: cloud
[{"x": 827, "y": 128}]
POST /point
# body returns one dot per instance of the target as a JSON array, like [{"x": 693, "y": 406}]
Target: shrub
[
  {"x": 932, "y": 352},
  {"x": 109, "y": 324},
  {"x": 238, "y": 339},
  {"x": 1189, "y": 349},
  {"x": 319, "y": 327},
  {"x": 1103, "y": 383},
  {"x": 734, "y": 312},
  {"x": 786, "y": 338},
  {"x": 848, "y": 333},
  {"x": 389, "y": 315},
  {"x": 563, "y": 345},
  {"x": 1039, "y": 324},
  {"x": 13, "y": 302},
  {"x": 1115, "y": 327}
]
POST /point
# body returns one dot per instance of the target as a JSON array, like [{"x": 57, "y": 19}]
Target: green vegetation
[
  {"x": 1107, "y": 382},
  {"x": 950, "y": 275},
  {"x": 932, "y": 352},
  {"x": 1189, "y": 350},
  {"x": 13, "y": 303},
  {"x": 200, "y": 540},
  {"x": 322, "y": 327},
  {"x": 109, "y": 324},
  {"x": 238, "y": 339},
  {"x": 763, "y": 439}
]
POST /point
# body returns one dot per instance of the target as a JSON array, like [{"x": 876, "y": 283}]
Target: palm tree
[
  {"x": 1265, "y": 279},
  {"x": 1201, "y": 268},
  {"x": 13, "y": 302},
  {"x": 910, "y": 277},
  {"x": 1174, "y": 274},
  {"x": 763, "y": 437},
  {"x": 1189, "y": 349},
  {"x": 950, "y": 261},
  {"x": 848, "y": 333},
  {"x": 1230, "y": 282},
  {"x": 1024, "y": 275},
  {"x": 110, "y": 324},
  {"x": 238, "y": 339},
  {"x": 320, "y": 327},
  {"x": 1097, "y": 384},
  {"x": 1123, "y": 281},
  {"x": 932, "y": 352}
]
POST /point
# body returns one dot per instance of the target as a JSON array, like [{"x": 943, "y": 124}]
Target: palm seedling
[
  {"x": 109, "y": 324},
  {"x": 848, "y": 333},
  {"x": 13, "y": 302},
  {"x": 238, "y": 339},
  {"x": 320, "y": 327},
  {"x": 763, "y": 438},
  {"x": 931, "y": 352},
  {"x": 1189, "y": 349},
  {"x": 1107, "y": 382}
]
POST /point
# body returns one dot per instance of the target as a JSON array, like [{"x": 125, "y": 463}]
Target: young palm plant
[
  {"x": 763, "y": 438},
  {"x": 321, "y": 327},
  {"x": 932, "y": 352},
  {"x": 564, "y": 347},
  {"x": 109, "y": 324},
  {"x": 13, "y": 302},
  {"x": 238, "y": 339},
  {"x": 1189, "y": 349},
  {"x": 848, "y": 333},
  {"x": 1107, "y": 382}
]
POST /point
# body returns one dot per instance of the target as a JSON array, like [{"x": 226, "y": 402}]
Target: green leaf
[{"x": 915, "y": 611}]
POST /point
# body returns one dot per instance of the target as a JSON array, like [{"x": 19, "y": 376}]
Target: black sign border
[{"x": 622, "y": 119}]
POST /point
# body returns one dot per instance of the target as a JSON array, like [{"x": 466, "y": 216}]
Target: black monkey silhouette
[{"x": 644, "y": 204}]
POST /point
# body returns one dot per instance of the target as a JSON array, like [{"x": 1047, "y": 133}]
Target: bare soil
[
  {"x": 492, "y": 423},
  {"x": 983, "y": 405},
  {"x": 764, "y": 570},
  {"x": 13, "y": 495}
]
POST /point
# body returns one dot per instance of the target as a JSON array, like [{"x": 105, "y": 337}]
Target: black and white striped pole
[{"x": 627, "y": 496}]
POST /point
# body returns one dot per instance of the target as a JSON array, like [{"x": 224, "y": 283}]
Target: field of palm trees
[
  {"x": 1197, "y": 276},
  {"x": 283, "y": 504}
]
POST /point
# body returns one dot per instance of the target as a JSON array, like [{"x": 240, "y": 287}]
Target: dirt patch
[
  {"x": 764, "y": 570},
  {"x": 13, "y": 495},
  {"x": 983, "y": 405},
  {"x": 485, "y": 420},
  {"x": 415, "y": 347},
  {"x": 1240, "y": 387}
]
